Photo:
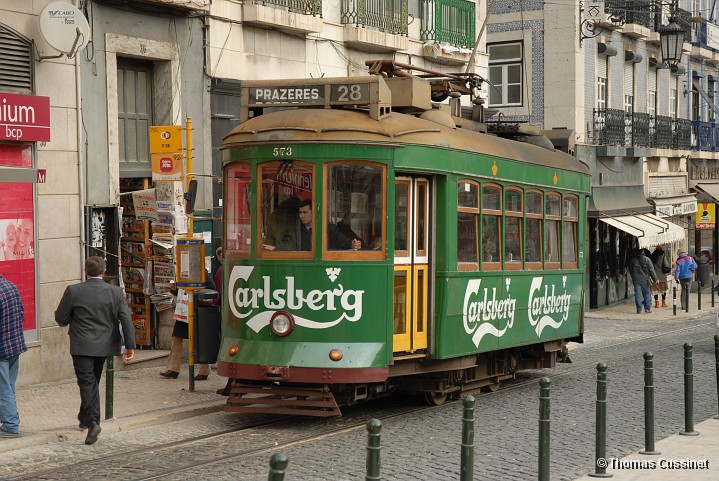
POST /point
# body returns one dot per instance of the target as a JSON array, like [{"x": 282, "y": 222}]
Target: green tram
[{"x": 375, "y": 246}]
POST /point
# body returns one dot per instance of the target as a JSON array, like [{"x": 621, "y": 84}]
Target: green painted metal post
[
  {"x": 712, "y": 292},
  {"x": 544, "y": 431},
  {"x": 674, "y": 298},
  {"x": 278, "y": 465},
  {"x": 699, "y": 296},
  {"x": 688, "y": 392},
  {"x": 374, "y": 426},
  {"x": 466, "y": 469},
  {"x": 109, "y": 387},
  {"x": 716, "y": 364},
  {"x": 649, "y": 404},
  {"x": 600, "y": 460}
]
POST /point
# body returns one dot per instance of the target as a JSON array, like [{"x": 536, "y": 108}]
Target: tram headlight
[
  {"x": 336, "y": 354},
  {"x": 233, "y": 350},
  {"x": 282, "y": 323}
]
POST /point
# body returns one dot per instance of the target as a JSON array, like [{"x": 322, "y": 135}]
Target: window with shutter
[{"x": 16, "y": 62}]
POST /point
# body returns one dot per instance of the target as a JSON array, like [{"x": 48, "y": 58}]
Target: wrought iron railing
[
  {"x": 640, "y": 12},
  {"x": 609, "y": 127},
  {"x": 450, "y": 21},
  {"x": 660, "y": 132},
  {"x": 706, "y": 135},
  {"x": 639, "y": 129},
  {"x": 306, "y": 7},
  {"x": 681, "y": 134},
  {"x": 386, "y": 15}
]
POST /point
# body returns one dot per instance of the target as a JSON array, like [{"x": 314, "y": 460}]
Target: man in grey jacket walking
[
  {"x": 93, "y": 310},
  {"x": 643, "y": 277}
]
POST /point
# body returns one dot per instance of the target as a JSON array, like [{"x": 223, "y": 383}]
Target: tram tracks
[{"x": 247, "y": 441}]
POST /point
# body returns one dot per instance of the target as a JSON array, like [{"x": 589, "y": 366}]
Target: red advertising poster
[{"x": 17, "y": 230}]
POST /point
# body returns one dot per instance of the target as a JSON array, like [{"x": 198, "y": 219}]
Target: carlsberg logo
[
  {"x": 486, "y": 311},
  {"x": 257, "y": 305}
]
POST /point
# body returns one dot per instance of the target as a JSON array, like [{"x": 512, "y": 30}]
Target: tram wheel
[
  {"x": 494, "y": 387},
  {"x": 434, "y": 398}
]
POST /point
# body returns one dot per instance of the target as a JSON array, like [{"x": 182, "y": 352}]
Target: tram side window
[
  {"x": 569, "y": 231},
  {"x": 467, "y": 222},
  {"x": 237, "y": 198},
  {"x": 553, "y": 218},
  {"x": 513, "y": 228},
  {"x": 286, "y": 206},
  {"x": 534, "y": 213},
  {"x": 354, "y": 207},
  {"x": 491, "y": 226}
]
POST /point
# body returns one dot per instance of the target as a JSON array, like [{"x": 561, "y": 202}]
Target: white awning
[
  {"x": 711, "y": 189},
  {"x": 649, "y": 229}
]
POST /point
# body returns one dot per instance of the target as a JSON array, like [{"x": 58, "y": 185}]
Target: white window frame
[{"x": 503, "y": 85}]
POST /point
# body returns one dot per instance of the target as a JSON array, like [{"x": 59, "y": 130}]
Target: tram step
[{"x": 246, "y": 398}]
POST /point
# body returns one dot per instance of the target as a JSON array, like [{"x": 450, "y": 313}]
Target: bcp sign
[{"x": 24, "y": 117}]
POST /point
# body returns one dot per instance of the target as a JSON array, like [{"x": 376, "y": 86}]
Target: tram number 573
[{"x": 281, "y": 151}]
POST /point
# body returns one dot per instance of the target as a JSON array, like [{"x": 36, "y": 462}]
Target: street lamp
[{"x": 671, "y": 38}]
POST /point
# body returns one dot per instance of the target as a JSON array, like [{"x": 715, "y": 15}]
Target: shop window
[
  {"x": 491, "y": 226},
  {"x": 354, "y": 211},
  {"x": 513, "y": 212},
  {"x": 467, "y": 225},
  {"x": 237, "y": 221},
  {"x": 286, "y": 211},
  {"x": 534, "y": 218}
]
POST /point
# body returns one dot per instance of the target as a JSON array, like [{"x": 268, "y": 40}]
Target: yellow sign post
[{"x": 166, "y": 152}]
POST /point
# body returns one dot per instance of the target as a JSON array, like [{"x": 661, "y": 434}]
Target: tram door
[{"x": 411, "y": 264}]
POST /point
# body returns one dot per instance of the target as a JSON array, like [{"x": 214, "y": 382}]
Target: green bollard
[
  {"x": 600, "y": 460},
  {"x": 688, "y": 392},
  {"x": 712, "y": 292},
  {"x": 374, "y": 426},
  {"x": 716, "y": 363},
  {"x": 543, "y": 461},
  {"x": 699, "y": 296},
  {"x": 466, "y": 468},
  {"x": 649, "y": 404},
  {"x": 278, "y": 465},
  {"x": 109, "y": 387}
]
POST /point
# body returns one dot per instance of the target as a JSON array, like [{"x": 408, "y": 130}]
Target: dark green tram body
[{"x": 481, "y": 325}]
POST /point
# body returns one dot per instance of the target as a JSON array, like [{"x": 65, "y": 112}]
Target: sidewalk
[
  {"x": 48, "y": 412},
  {"x": 681, "y": 457}
]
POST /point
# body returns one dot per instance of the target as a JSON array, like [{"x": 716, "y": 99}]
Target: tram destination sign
[
  {"x": 351, "y": 93},
  {"x": 329, "y": 92}
]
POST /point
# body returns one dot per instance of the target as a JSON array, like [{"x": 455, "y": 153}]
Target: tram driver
[{"x": 339, "y": 237}]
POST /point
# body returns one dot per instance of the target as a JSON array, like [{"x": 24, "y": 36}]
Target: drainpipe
[{"x": 80, "y": 156}]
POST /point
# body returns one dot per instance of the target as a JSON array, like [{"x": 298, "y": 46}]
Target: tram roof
[{"x": 347, "y": 125}]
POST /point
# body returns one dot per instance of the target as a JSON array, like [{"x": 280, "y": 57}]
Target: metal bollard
[
  {"x": 649, "y": 404},
  {"x": 716, "y": 363},
  {"x": 543, "y": 455},
  {"x": 600, "y": 460},
  {"x": 278, "y": 465},
  {"x": 699, "y": 296},
  {"x": 374, "y": 426},
  {"x": 688, "y": 392},
  {"x": 674, "y": 293},
  {"x": 712, "y": 292},
  {"x": 466, "y": 468},
  {"x": 109, "y": 387}
]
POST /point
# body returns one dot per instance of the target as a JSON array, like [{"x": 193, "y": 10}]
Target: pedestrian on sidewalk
[
  {"x": 93, "y": 309},
  {"x": 12, "y": 344},
  {"x": 683, "y": 272},
  {"x": 180, "y": 332},
  {"x": 643, "y": 277},
  {"x": 662, "y": 267}
]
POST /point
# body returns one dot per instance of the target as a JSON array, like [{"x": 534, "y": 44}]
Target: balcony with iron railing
[
  {"x": 705, "y": 136},
  {"x": 640, "y": 12},
  {"x": 448, "y": 21},
  {"x": 375, "y": 25},
  {"x": 640, "y": 129},
  {"x": 294, "y": 16}
]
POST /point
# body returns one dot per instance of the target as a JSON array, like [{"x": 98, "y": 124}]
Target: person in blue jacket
[{"x": 683, "y": 273}]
